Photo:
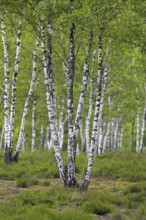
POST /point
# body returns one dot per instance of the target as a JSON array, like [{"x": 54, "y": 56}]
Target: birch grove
[{"x": 92, "y": 103}]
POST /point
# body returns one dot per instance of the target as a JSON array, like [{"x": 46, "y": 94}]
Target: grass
[{"x": 32, "y": 189}]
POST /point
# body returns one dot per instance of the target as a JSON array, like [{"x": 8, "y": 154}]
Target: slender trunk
[
  {"x": 112, "y": 133},
  {"x": 1, "y": 137},
  {"x": 47, "y": 139},
  {"x": 7, "y": 147},
  {"x": 14, "y": 82},
  {"x": 49, "y": 68},
  {"x": 33, "y": 124},
  {"x": 132, "y": 136},
  {"x": 88, "y": 119},
  {"x": 27, "y": 102},
  {"x": 116, "y": 125},
  {"x": 82, "y": 135},
  {"x": 70, "y": 80},
  {"x": 52, "y": 112},
  {"x": 96, "y": 116},
  {"x": 99, "y": 135},
  {"x": 142, "y": 130},
  {"x": 138, "y": 132},
  {"x": 100, "y": 124},
  {"x": 82, "y": 94},
  {"x": 121, "y": 138},
  {"x": 61, "y": 127},
  {"x": 42, "y": 136},
  {"x": 24, "y": 142},
  {"x": 106, "y": 138}
]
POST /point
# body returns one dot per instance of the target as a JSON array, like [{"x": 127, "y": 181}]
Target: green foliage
[
  {"x": 25, "y": 182},
  {"x": 123, "y": 165}
]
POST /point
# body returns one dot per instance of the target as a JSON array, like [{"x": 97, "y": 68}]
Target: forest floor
[{"x": 117, "y": 190}]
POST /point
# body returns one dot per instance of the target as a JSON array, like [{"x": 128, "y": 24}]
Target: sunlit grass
[{"x": 117, "y": 188}]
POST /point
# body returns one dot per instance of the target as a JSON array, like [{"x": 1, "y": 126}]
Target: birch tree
[
  {"x": 51, "y": 109},
  {"x": 96, "y": 116},
  {"x": 27, "y": 102},
  {"x": 10, "y": 109}
]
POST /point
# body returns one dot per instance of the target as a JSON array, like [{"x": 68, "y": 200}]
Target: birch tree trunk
[
  {"x": 47, "y": 139},
  {"x": 82, "y": 94},
  {"x": 100, "y": 124},
  {"x": 27, "y": 102},
  {"x": 49, "y": 69},
  {"x": 116, "y": 125},
  {"x": 61, "y": 126},
  {"x": 42, "y": 136},
  {"x": 138, "y": 132},
  {"x": 14, "y": 82},
  {"x": 24, "y": 142},
  {"x": 52, "y": 111},
  {"x": 142, "y": 130},
  {"x": 99, "y": 138},
  {"x": 70, "y": 80},
  {"x": 106, "y": 138},
  {"x": 121, "y": 133},
  {"x": 7, "y": 147},
  {"x": 96, "y": 116},
  {"x": 132, "y": 135},
  {"x": 1, "y": 137},
  {"x": 88, "y": 119},
  {"x": 33, "y": 124}
]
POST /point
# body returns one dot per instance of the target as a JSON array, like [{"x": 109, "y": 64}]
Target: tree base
[
  {"x": 8, "y": 155},
  {"x": 85, "y": 185},
  {"x": 15, "y": 157},
  {"x": 72, "y": 183}
]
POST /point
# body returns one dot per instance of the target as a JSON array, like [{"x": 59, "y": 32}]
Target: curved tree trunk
[
  {"x": 33, "y": 124},
  {"x": 96, "y": 116},
  {"x": 27, "y": 102},
  {"x": 88, "y": 119},
  {"x": 82, "y": 94},
  {"x": 52, "y": 111}
]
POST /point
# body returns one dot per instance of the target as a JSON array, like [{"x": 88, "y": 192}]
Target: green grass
[{"x": 32, "y": 190}]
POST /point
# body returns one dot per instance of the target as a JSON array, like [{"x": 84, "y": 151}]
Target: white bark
[
  {"x": 24, "y": 142},
  {"x": 61, "y": 127},
  {"x": 42, "y": 136},
  {"x": 33, "y": 125},
  {"x": 7, "y": 147},
  {"x": 82, "y": 94},
  {"x": 106, "y": 138},
  {"x": 142, "y": 130},
  {"x": 116, "y": 125},
  {"x": 71, "y": 138},
  {"x": 100, "y": 124},
  {"x": 96, "y": 116},
  {"x": 138, "y": 132},
  {"x": 51, "y": 111},
  {"x": 47, "y": 139},
  {"x": 83, "y": 139},
  {"x": 121, "y": 134},
  {"x": 14, "y": 82},
  {"x": 27, "y": 102},
  {"x": 1, "y": 137},
  {"x": 88, "y": 119},
  {"x": 132, "y": 136}
]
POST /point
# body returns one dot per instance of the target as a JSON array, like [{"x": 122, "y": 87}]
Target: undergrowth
[{"x": 117, "y": 189}]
